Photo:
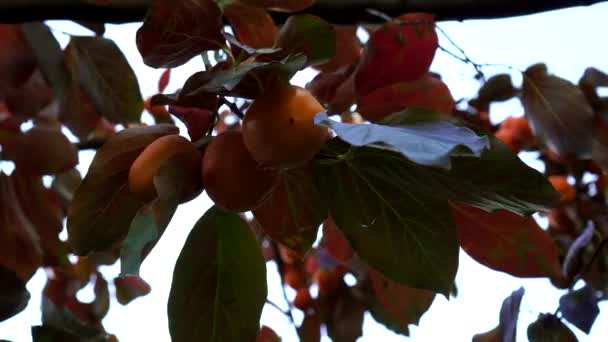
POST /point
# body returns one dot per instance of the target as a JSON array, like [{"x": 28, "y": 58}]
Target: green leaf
[
  {"x": 107, "y": 78},
  {"x": 219, "y": 282},
  {"x": 103, "y": 206},
  {"x": 392, "y": 213},
  {"x": 244, "y": 80},
  {"x": 310, "y": 35}
]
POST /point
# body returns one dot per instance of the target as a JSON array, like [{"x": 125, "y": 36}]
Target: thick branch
[{"x": 335, "y": 11}]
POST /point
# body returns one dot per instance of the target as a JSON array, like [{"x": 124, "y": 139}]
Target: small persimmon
[
  {"x": 149, "y": 161},
  {"x": 278, "y": 128},
  {"x": 567, "y": 190},
  {"x": 233, "y": 179}
]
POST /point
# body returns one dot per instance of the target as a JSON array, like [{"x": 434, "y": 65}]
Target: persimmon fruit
[
  {"x": 566, "y": 190},
  {"x": 278, "y": 128},
  {"x": 148, "y": 163},
  {"x": 233, "y": 179}
]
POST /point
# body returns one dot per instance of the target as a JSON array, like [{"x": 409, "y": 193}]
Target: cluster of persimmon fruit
[{"x": 241, "y": 165}]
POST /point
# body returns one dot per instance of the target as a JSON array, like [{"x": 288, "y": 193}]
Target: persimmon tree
[{"x": 373, "y": 155}]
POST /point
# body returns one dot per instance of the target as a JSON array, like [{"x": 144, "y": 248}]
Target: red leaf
[
  {"x": 30, "y": 97},
  {"x": 506, "y": 242},
  {"x": 175, "y": 31},
  {"x": 266, "y": 334},
  {"x": 348, "y": 49},
  {"x": 17, "y": 61},
  {"x": 197, "y": 120},
  {"x": 291, "y": 214},
  {"x": 404, "y": 303},
  {"x": 163, "y": 81},
  {"x": 399, "y": 51},
  {"x": 335, "y": 242},
  {"x": 428, "y": 92},
  {"x": 335, "y": 90},
  {"x": 129, "y": 288},
  {"x": 253, "y": 25},
  {"x": 310, "y": 330}
]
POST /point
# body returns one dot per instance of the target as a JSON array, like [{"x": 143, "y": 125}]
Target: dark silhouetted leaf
[
  {"x": 399, "y": 51},
  {"x": 253, "y": 25},
  {"x": 558, "y": 113},
  {"x": 506, "y": 242},
  {"x": 404, "y": 304},
  {"x": 197, "y": 120},
  {"x": 572, "y": 261},
  {"x": 549, "y": 328},
  {"x": 310, "y": 35},
  {"x": 129, "y": 288},
  {"x": 106, "y": 77},
  {"x": 310, "y": 329},
  {"x": 175, "y": 31},
  {"x": 293, "y": 211},
  {"x": 208, "y": 301},
  {"x": 345, "y": 323},
  {"x": 496, "y": 88},
  {"x": 66, "y": 183},
  {"x": 46, "y": 333},
  {"x": 13, "y": 294},
  {"x": 580, "y": 308},
  {"x": 335, "y": 90},
  {"x": 427, "y": 92},
  {"x": 402, "y": 225},
  {"x": 30, "y": 97},
  {"x": 103, "y": 206},
  {"x": 18, "y": 60},
  {"x": 20, "y": 249},
  {"x": 42, "y": 151},
  {"x": 428, "y": 143}
]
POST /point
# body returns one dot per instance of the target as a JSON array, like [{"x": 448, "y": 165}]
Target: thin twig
[
  {"x": 276, "y": 306},
  {"x": 281, "y": 268},
  {"x": 233, "y": 107}
]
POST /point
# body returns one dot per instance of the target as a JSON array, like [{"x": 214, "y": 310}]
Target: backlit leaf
[
  {"x": 208, "y": 301},
  {"x": 399, "y": 51},
  {"x": 103, "y": 206},
  {"x": 106, "y": 77},
  {"x": 253, "y": 25},
  {"x": 347, "y": 51},
  {"x": 175, "y": 31},
  {"x": 427, "y": 92},
  {"x": 406, "y": 305},
  {"x": 506, "y": 242},
  {"x": 428, "y": 143},
  {"x": 558, "y": 112}
]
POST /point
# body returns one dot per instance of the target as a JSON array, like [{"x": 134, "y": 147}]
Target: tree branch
[{"x": 335, "y": 11}]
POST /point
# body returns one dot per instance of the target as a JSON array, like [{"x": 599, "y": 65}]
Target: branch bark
[{"x": 335, "y": 11}]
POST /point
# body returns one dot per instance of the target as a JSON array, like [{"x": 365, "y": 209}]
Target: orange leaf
[
  {"x": 253, "y": 25},
  {"x": 506, "y": 242},
  {"x": 404, "y": 303},
  {"x": 428, "y": 92}
]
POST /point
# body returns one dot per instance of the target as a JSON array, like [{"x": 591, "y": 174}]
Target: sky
[{"x": 568, "y": 41}]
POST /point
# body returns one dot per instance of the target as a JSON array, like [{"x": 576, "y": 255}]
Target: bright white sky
[{"x": 568, "y": 41}]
